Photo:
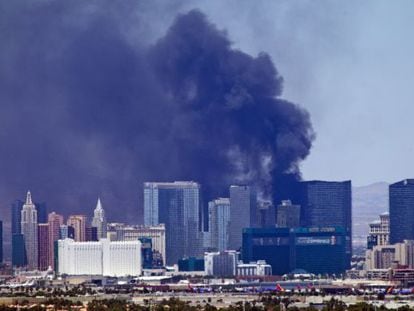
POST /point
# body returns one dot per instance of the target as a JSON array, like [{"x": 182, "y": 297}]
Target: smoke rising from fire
[{"x": 86, "y": 111}]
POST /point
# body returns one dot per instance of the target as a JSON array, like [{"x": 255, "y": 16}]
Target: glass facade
[
  {"x": 319, "y": 250},
  {"x": 327, "y": 203},
  {"x": 151, "y": 204},
  {"x": 16, "y": 216},
  {"x": 243, "y": 208},
  {"x": 178, "y": 206},
  {"x": 18, "y": 251},
  {"x": 315, "y": 249},
  {"x": 66, "y": 232},
  {"x": 219, "y": 223},
  {"x": 269, "y": 244},
  {"x": 42, "y": 214},
  {"x": 191, "y": 264},
  {"x": 16, "y": 209},
  {"x": 146, "y": 253},
  {"x": 401, "y": 196}
]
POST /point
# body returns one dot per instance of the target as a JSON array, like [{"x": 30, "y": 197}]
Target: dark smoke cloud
[{"x": 86, "y": 111}]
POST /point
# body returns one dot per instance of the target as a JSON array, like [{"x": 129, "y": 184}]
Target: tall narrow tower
[
  {"x": 401, "y": 198},
  {"x": 55, "y": 221},
  {"x": 243, "y": 206},
  {"x": 29, "y": 231},
  {"x": 99, "y": 220}
]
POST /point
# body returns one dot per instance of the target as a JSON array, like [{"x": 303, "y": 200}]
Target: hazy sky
[{"x": 350, "y": 63}]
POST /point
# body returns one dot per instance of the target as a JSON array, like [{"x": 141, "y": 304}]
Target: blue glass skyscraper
[
  {"x": 314, "y": 249},
  {"x": 18, "y": 251},
  {"x": 327, "y": 203},
  {"x": 219, "y": 223},
  {"x": 178, "y": 206},
  {"x": 401, "y": 195},
  {"x": 16, "y": 216}
]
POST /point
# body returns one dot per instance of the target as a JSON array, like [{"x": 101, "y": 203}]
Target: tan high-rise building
[
  {"x": 54, "y": 221},
  {"x": 78, "y": 222},
  {"x": 383, "y": 256},
  {"x": 133, "y": 233},
  {"x": 379, "y": 231}
]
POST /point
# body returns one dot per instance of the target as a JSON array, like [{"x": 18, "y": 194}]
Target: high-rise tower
[
  {"x": 55, "y": 221},
  {"x": 243, "y": 206},
  {"x": 29, "y": 231},
  {"x": 219, "y": 223},
  {"x": 99, "y": 220},
  {"x": 401, "y": 211},
  {"x": 327, "y": 203},
  {"x": 18, "y": 252},
  {"x": 178, "y": 206},
  {"x": 43, "y": 246},
  {"x": 16, "y": 217}
]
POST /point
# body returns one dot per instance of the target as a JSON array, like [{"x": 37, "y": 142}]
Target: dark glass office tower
[
  {"x": 316, "y": 250},
  {"x": 401, "y": 195},
  {"x": 41, "y": 212},
  {"x": 319, "y": 250},
  {"x": 327, "y": 203},
  {"x": 270, "y": 244},
  {"x": 18, "y": 252},
  {"x": 16, "y": 217}
]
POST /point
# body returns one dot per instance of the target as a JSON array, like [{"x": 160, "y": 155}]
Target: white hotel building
[{"x": 99, "y": 258}]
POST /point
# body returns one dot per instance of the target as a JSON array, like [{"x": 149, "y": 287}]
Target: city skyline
[
  {"x": 323, "y": 206},
  {"x": 209, "y": 155}
]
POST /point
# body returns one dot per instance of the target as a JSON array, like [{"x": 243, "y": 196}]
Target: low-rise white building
[
  {"x": 222, "y": 264},
  {"x": 254, "y": 268},
  {"x": 104, "y": 257}
]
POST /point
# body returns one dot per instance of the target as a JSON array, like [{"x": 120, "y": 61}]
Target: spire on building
[
  {"x": 99, "y": 220},
  {"x": 29, "y": 198},
  {"x": 99, "y": 205}
]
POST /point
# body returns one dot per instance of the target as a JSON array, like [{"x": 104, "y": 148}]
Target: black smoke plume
[{"x": 86, "y": 110}]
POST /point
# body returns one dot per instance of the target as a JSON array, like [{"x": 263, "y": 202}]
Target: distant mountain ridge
[{"x": 367, "y": 203}]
